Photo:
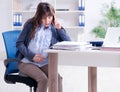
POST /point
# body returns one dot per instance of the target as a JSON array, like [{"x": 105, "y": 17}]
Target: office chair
[{"x": 11, "y": 63}]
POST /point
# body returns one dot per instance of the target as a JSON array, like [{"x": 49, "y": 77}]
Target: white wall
[
  {"x": 74, "y": 78},
  {"x": 5, "y": 14}
]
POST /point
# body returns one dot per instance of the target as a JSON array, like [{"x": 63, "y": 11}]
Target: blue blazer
[{"x": 24, "y": 39}]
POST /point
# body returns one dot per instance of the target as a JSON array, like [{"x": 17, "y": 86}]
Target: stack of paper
[{"x": 70, "y": 45}]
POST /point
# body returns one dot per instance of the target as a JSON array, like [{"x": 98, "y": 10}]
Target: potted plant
[{"x": 111, "y": 18}]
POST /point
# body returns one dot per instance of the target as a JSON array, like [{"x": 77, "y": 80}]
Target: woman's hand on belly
[{"x": 38, "y": 58}]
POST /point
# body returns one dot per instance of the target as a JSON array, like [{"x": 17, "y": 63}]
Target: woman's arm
[
  {"x": 63, "y": 35},
  {"x": 61, "y": 32},
  {"x": 23, "y": 41}
]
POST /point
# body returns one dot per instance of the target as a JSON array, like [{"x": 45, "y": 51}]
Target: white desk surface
[{"x": 95, "y": 58}]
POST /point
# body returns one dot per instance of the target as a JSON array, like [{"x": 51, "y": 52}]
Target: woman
[{"x": 39, "y": 33}]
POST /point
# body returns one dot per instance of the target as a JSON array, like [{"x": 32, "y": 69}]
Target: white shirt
[{"x": 39, "y": 43}]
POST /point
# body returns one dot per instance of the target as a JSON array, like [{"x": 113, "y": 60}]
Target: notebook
[{"x": 112, "y": 39}]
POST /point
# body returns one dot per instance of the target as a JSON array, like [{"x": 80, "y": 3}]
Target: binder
[
  {"x": 81, "y": 5},
  {"x": 81, "y": 20},
  {"x": 17, "y": 19}
]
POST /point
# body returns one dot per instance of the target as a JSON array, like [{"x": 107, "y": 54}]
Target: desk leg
[
  {"x": 92, "y": 79},
  {"x": 53, "y": 72}
]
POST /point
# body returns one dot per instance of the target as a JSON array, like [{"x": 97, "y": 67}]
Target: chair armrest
[
  {"x": 6, "y": 61},
  {"x": 11, "y": 65}
]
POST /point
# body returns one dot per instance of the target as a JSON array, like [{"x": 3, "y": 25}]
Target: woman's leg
[{"x": 35, "y": 73}]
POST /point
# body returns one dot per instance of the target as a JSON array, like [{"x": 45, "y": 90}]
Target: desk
[{"x": 90, "y": 58}]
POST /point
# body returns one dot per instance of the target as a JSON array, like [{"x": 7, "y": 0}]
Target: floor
[{"x": 74, "y": 80}]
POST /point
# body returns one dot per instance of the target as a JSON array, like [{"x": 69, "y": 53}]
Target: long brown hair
[{"x": 43, "y": 9}]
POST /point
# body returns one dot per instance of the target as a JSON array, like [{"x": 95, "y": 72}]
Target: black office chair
[{"x": 11, "y": 63}]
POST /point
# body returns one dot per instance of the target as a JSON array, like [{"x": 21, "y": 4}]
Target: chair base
[{"x": 20, "y": 79}]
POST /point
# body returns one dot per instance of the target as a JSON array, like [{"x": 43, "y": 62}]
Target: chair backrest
[{"x": 10, "y": 38}]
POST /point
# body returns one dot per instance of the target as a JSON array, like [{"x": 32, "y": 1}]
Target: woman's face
[{"x": 47, "y": 20}]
